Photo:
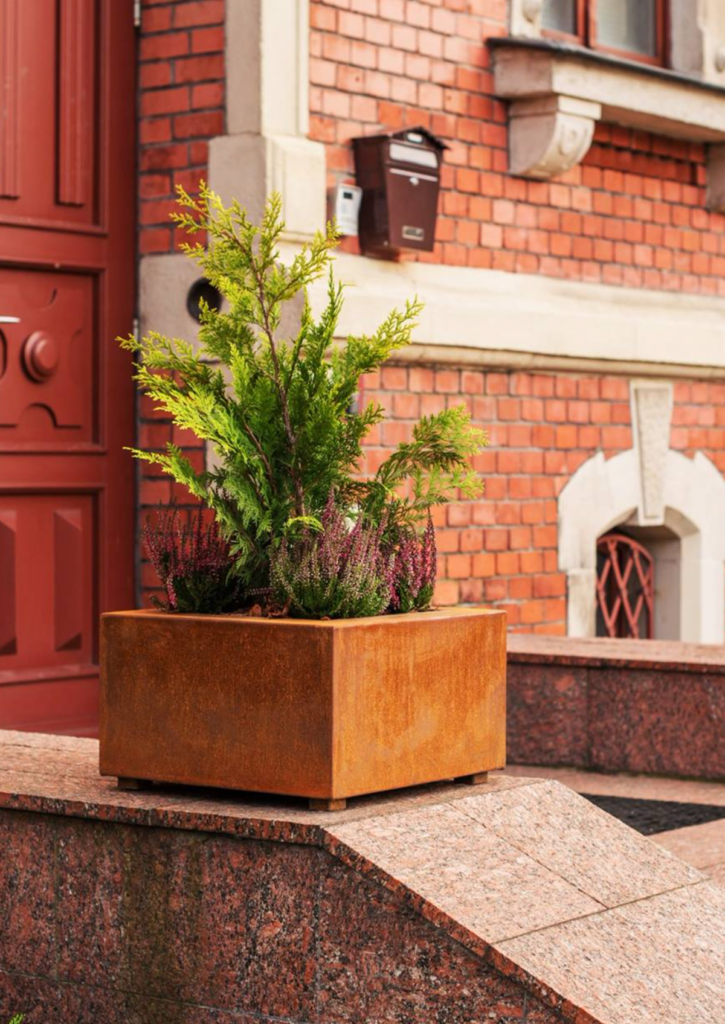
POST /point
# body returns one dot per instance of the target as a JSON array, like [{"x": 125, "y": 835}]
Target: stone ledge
[
  {"x": 649, "y": 707},
  {"x": 438, "y": 901},
  {"x": 663, "y": 655}
]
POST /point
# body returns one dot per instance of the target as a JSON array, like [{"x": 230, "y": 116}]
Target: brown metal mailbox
[{"x": 400, "y": 178}]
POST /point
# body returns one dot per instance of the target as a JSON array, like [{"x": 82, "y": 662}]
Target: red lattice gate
[{"x": 625, "y": 588}]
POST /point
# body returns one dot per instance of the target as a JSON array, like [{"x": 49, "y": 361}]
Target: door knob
[{"x": 40, "y": 356}]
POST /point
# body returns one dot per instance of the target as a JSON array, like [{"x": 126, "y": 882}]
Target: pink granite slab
[
  {"x": 475, "y": 877},
  {"x": 640, "y": 787},
  {"x": 59, "y": 775},
  {"x": 701, "y": 845},
  {"x": 656, "y": 961},
  {"x": 664, "y": 655},
  {"x": 590, "y": 849},
  {"x": 717, "y": 873}
]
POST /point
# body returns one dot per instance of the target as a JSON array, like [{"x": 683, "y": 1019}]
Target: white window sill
[{"x": 559, "y": 92}]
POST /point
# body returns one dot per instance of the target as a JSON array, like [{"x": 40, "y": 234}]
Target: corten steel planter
[{"x": 321, "y": 710}]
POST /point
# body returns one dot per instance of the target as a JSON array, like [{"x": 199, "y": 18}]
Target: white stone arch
[{"x": 604, "y": 493}]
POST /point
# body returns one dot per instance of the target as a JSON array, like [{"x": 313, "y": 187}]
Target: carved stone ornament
[
  {"x": 550, "y": 134},
  {"x": 651, "y": 419}
]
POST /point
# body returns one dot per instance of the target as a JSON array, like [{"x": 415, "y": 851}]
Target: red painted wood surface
[{"x": 67, "y": 215}]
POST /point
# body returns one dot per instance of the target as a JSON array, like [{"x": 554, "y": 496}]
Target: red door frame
[{"x": 87, "y": 481}]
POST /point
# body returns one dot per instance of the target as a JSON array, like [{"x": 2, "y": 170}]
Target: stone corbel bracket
[
  {"x": 558, "y": 93},
  {"x": 550, "y": 134}
]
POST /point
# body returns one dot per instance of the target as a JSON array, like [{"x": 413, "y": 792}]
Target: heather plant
[
  {"x": 338, "y": 572},
  {"x": 348, "y": 571},
  {"x": 277, "y": 408},
  {"x": 414, "y": 572},
  {"x": 193, "y": 563}
]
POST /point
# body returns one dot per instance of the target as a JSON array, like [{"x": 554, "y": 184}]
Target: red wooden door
[{"x": 67, "y": 215}]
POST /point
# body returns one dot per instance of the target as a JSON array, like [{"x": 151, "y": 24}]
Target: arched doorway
[{"x": 687, "y": 545}]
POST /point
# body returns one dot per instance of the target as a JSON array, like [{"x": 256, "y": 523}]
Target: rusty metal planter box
[{"x": 322, "y": 710}]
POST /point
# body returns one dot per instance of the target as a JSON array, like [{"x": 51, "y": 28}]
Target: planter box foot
[
  {"x": 479, "y": 779},
  {"x": 133, "y": 784},
  {"x": 328, "y": 805}
]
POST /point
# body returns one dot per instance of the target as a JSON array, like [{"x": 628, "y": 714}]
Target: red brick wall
[
  {"x": 502, "y": 548},
  {"x": 181, "y": 106},
  {"x": 633, "y": 214}
]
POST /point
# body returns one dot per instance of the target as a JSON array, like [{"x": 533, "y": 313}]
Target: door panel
[
  {"x": 47, "y": 550},
  {"x": 67, "y": 254},
  {"x": 52, "y": 82},
  {"x": 47, "y": 395}
]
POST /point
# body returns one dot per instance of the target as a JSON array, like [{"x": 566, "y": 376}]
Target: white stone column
[{"x": 267, "y": 99}]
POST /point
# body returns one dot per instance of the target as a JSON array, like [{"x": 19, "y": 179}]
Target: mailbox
[{"x": 400, "y": 177}]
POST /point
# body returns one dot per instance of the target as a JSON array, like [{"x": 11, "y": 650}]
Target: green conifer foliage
[{"x": 278, "y": 410}]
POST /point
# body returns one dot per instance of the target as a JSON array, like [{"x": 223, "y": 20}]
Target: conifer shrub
[{"x": 300, "y": 526}]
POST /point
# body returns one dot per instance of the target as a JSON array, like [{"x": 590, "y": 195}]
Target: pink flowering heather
[
  {"x": 350, "y": 572},
  {"x": 414, "y": 572},
  {"x": 193, "y": 563},
  {"x": 336, "y": 573}
]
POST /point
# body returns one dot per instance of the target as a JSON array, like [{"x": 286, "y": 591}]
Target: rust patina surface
[{"x": 321, "y": 710}]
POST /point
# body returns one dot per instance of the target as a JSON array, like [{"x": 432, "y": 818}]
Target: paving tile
[
  {"x": 656, "y": 961},
  {"x": 701, "y": 845},
  {"x": 476, "y": 877},
  {"x": 717, "y": 873},
  {"x": 589, "y": 848}
]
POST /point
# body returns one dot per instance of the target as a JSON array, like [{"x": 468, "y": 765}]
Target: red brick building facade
[{"x": 632, "y": 215}]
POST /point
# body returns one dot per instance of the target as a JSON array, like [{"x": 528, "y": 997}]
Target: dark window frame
[{"x": 586, "y": 34}]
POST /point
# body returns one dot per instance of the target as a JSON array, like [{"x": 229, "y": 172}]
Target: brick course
[
  {"x": 502, "y": 547},
  {"x": 181, "y": 106}
]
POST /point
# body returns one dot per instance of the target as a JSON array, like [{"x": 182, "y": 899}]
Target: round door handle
[{"x": 40, "y": 356}]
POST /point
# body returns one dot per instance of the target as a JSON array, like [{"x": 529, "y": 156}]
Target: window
[
  {"x": 561, "y": 17},
  {"x": 629, "y": 28}
]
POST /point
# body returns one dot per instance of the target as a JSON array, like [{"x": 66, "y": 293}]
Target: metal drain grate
[{"x": 651, "y": 816}]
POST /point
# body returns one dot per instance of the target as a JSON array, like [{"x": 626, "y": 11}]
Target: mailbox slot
[{"x": 400, "y": 178}]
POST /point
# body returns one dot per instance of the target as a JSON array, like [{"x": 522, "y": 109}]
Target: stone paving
[{"x": 703, "y": 846}]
